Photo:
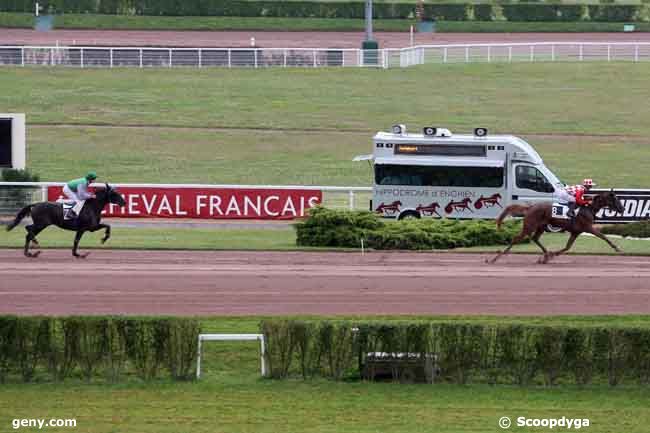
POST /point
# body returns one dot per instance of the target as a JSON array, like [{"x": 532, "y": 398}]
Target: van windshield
[
  {"x": 413, "y": 175},
  {"x": 531, "y": 178}
]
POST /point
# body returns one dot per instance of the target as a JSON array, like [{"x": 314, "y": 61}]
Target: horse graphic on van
[
  {"x": 389, "y": 209},
  {"x": 459, "y": 206},
  {"x": 429, "y": 209},
  {"x": 490, "y": 201}
]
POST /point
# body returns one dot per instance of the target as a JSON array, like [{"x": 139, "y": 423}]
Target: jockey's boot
[
  {"x": 572, "y": 210},
  {"x": 70, "y": 214}
]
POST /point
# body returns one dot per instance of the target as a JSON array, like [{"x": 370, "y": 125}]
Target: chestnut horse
[{"x": 538, "y": 216}]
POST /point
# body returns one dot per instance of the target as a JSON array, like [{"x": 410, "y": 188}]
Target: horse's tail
[
  {"x": 513, "y": 208},
  {"x": 22, "y": 214}
]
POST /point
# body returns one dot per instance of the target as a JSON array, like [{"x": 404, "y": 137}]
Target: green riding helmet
[{"x": 91, "y": 176}]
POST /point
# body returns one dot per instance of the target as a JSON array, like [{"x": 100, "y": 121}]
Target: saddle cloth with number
[
  {"x": 560, "y": 211},
  {"x": 75, "y": 206}
]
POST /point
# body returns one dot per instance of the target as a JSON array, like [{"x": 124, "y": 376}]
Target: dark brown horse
[
  {"x": 537, "y": 217},
  {"x": 45, "y": 214}
]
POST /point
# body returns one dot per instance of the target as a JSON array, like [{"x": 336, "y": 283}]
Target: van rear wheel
[{"x": 409, "y": 215}]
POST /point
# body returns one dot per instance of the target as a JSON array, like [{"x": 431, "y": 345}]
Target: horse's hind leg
[
  {"x": 535, "y": 238},
  {"x": 520, "y": 237},
  {"x": 32, "y": 231}
]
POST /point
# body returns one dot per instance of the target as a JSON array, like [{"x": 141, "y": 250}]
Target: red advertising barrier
[{"x": 208, "y": 203}]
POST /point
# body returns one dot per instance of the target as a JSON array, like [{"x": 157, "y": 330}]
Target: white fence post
[
  {"x": 22, "y": 56},
  {"x": 532, "y": 53},
  {"x": 140, "y": 57},
  {"x": 200, "y": 58},
  {"x": 170, "y": 57},
  {"x": 315, "y": 63},
  {"x": 81, "y": 58},
  {"x": 229, "y": 59},
  {"x": 111, "y": 56},
  {"x": 255, "y": 52},
  {"x": 510, "y": 54},
  {"x": 444, "y": 55},
  {"x": 609, "y": 52},
  {"x": 552, "y": 53},
  {"x": 284, "y": 60},
  {"x": 636, "y": 53},
  {"x": 198, "y": 359},
  {"x": 51, "y": 56},
  {"x": 351, "y": 198},
  {"x": 489, "y": 54},
  {"x": 43, "y": 193},
  {"x": 466, "y": 54}
]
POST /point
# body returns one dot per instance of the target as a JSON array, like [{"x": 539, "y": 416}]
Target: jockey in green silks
[{"x": 77, "y": 190}]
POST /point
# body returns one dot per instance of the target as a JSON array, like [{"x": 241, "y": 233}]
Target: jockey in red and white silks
[{"x": 574, "y": 195}]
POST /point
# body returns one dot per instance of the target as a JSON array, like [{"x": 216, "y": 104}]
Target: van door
[{"x": 529, "y": 185}]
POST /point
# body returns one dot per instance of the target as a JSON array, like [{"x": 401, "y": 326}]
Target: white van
[{"x": 439, "y": 174}]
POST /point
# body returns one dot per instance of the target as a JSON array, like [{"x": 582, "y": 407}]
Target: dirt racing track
[{"x": 272, "y": 283}]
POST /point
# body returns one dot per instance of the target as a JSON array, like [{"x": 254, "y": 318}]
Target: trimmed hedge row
[
  {"x": 335, "y": 228},
  {"x": 351, "y": 9},
  {"x": 466, "y": 353},
  {"x": 95, "y": 347},
  {"x": 640, "y": 229}
]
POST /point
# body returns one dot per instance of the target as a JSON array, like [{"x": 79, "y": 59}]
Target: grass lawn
[
  {"x": 231, "y": 397},
  {"x": 301, "y": 126},
  {"x": 277, "y": 239}
]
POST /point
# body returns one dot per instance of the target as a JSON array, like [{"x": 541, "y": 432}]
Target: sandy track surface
[
  {"x": 242, "y": 39},
  {"x": 272, "y": 283}
]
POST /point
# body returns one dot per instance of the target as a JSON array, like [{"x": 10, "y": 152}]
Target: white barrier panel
[{"x": 232, "y": 337}]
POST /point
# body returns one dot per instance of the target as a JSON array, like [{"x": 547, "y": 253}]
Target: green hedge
[
  {"x": 105, "y": 348},
  {"x": 464, "y": 353},
  {"x": 334, "y": 228},
  {"x": 352, "y": 9},
  {"x": 640, "y": 229}
]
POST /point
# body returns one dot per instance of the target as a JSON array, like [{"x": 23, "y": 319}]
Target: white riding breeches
[
  {"x": 78, "y": 203},
  {"x": 564, "y": 197},
  {"x": 70, "y": 193}
]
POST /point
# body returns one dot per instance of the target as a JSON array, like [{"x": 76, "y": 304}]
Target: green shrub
[
  {"x": 16, "y": 175},
  {"x": 529, "y": 11},
  {"x": 333, "y": 228},
  {"x": 465, "y": 353},
  {"x": 640, "y": 229},
  {"x": 85, "y": 346}
]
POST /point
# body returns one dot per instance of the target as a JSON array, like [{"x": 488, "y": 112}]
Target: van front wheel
[
  {"x": 553, "y": 229},
  {"x": 409, "y": 215}
]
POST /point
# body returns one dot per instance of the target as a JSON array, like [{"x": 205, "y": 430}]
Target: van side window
[
  {"x": 410, "y": 175},
  {"x": 531, "y": 178}
]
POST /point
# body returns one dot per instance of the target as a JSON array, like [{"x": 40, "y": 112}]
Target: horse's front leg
[
  {"x": 107, "y": 233},
  {"x": 599, "y": 235},
  {"x": 77, "y": 238}
]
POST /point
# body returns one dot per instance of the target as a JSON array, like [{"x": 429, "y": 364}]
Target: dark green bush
[
  {"x": 333, "y": 228},
  {"x": 530, "y": 11},
  {"x": 465, "y": 353},
  {"x": 16, "y": 175},
  {"x": 639, "y": 229},
  {"x": 96, "y": 346}
]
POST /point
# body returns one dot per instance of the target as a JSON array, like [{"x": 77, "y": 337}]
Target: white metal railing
[
  {"x": 518, "y": 52},
  {"x": 141, "y": 57},
  {"x": 333, "y": 196}
]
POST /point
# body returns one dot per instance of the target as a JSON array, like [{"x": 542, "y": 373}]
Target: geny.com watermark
[
  {"x": 40, "y": 423},
  {"x": 564, "y": 422}
]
